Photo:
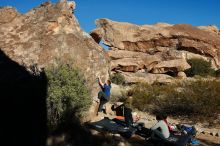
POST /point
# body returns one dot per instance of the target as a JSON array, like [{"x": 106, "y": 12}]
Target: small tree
[
  {"x": 199, "y": 67},
  {"x": 66, "y": 92}
]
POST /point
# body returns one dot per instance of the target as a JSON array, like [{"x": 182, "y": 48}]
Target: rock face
[
  {"x": 158, "y": 49},
  {"x": 146, "y": 77},
  {"x": 48, "y": 35}
]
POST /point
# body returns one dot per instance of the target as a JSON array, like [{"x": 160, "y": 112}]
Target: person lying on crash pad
[{"x": 160, "y": 130}]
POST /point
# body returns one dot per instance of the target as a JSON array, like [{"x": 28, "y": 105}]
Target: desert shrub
[
  {"x": 121, "y": 97},
  {"x": 66, "y": 92},
  {"x": 198, "y": 98},
  {"x": 117, "y": 79},
  {"x": 199, "y": 67},
  {"x": 142, "y": 95},
  {"x": 148, "y": 96}
]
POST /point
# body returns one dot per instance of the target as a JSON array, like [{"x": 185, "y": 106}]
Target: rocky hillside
[
  {"x": 48, "y": 35},
  {"x": 156, "y": 52}
]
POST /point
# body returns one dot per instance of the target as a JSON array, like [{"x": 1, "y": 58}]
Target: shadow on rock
[{"x": 23, "y": 105}]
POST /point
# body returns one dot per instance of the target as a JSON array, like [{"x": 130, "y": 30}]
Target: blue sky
[{"x": 195, "y": 12}]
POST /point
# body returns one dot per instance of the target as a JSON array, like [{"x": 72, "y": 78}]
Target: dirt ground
[
  {"x": 205, "y": 140},
  {"x": 208, "y": 140}
]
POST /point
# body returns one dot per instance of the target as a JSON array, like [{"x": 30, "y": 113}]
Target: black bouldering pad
[
  {"x": 108, "y": 125},
  {"x": 174, "y": 140},
  {"x": 179, "y": 140}
]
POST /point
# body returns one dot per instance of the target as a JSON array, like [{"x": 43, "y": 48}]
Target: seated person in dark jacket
[
  {"x": 104, "y": 94},
  {"x": 125, "y": 110}
]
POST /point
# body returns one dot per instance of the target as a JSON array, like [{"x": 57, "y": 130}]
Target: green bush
[
  {"x": 199, "y": 67},
  {"x": 117, "y": 79},
  {"x": 66, "y": 92},
  {"x": 199, "y": 98}
]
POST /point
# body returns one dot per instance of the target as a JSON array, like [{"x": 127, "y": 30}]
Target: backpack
[{"x": 187, "y": 129}]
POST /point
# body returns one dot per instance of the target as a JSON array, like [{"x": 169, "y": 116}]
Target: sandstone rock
[
  {"x": 127, "y": 64},
  {"x": 7, "y": 14},
  {"x": 199, "y": 130},
  {"x": 128, "y": 41},
  {"x": 213, "y": 133},
  {"x": 162, "y": 25},
  {"x": 129, "y": 61},
  {"x": 171, "y": 66},
  {"x": 119, "y": 54},
  {"x": 201, "y": 47},
  {"x": 48, "y": 35},
  {"x": 210, "y": 28},
  {"x": 149, "y": 78},
  {"x": 71, "y": 4},
  {"x": 108, "y": 109},
  {"x": 218, "y": 134},
  {"x": 205, "y": 132},
  {"x": 181, "y": 75}
]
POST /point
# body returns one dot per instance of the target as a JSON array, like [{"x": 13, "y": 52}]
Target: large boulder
[
  {"x": 48, "y": 35},
  {"x": 130, "y": 61},
  {"x": 126, "y": 36},
  {"x": 158, "y": 48}
]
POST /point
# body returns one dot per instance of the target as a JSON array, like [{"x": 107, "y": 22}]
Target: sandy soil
[{"x": 208, "y": 140}]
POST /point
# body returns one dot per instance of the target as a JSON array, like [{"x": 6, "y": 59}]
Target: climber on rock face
[{"x": 104, "y": 94}]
